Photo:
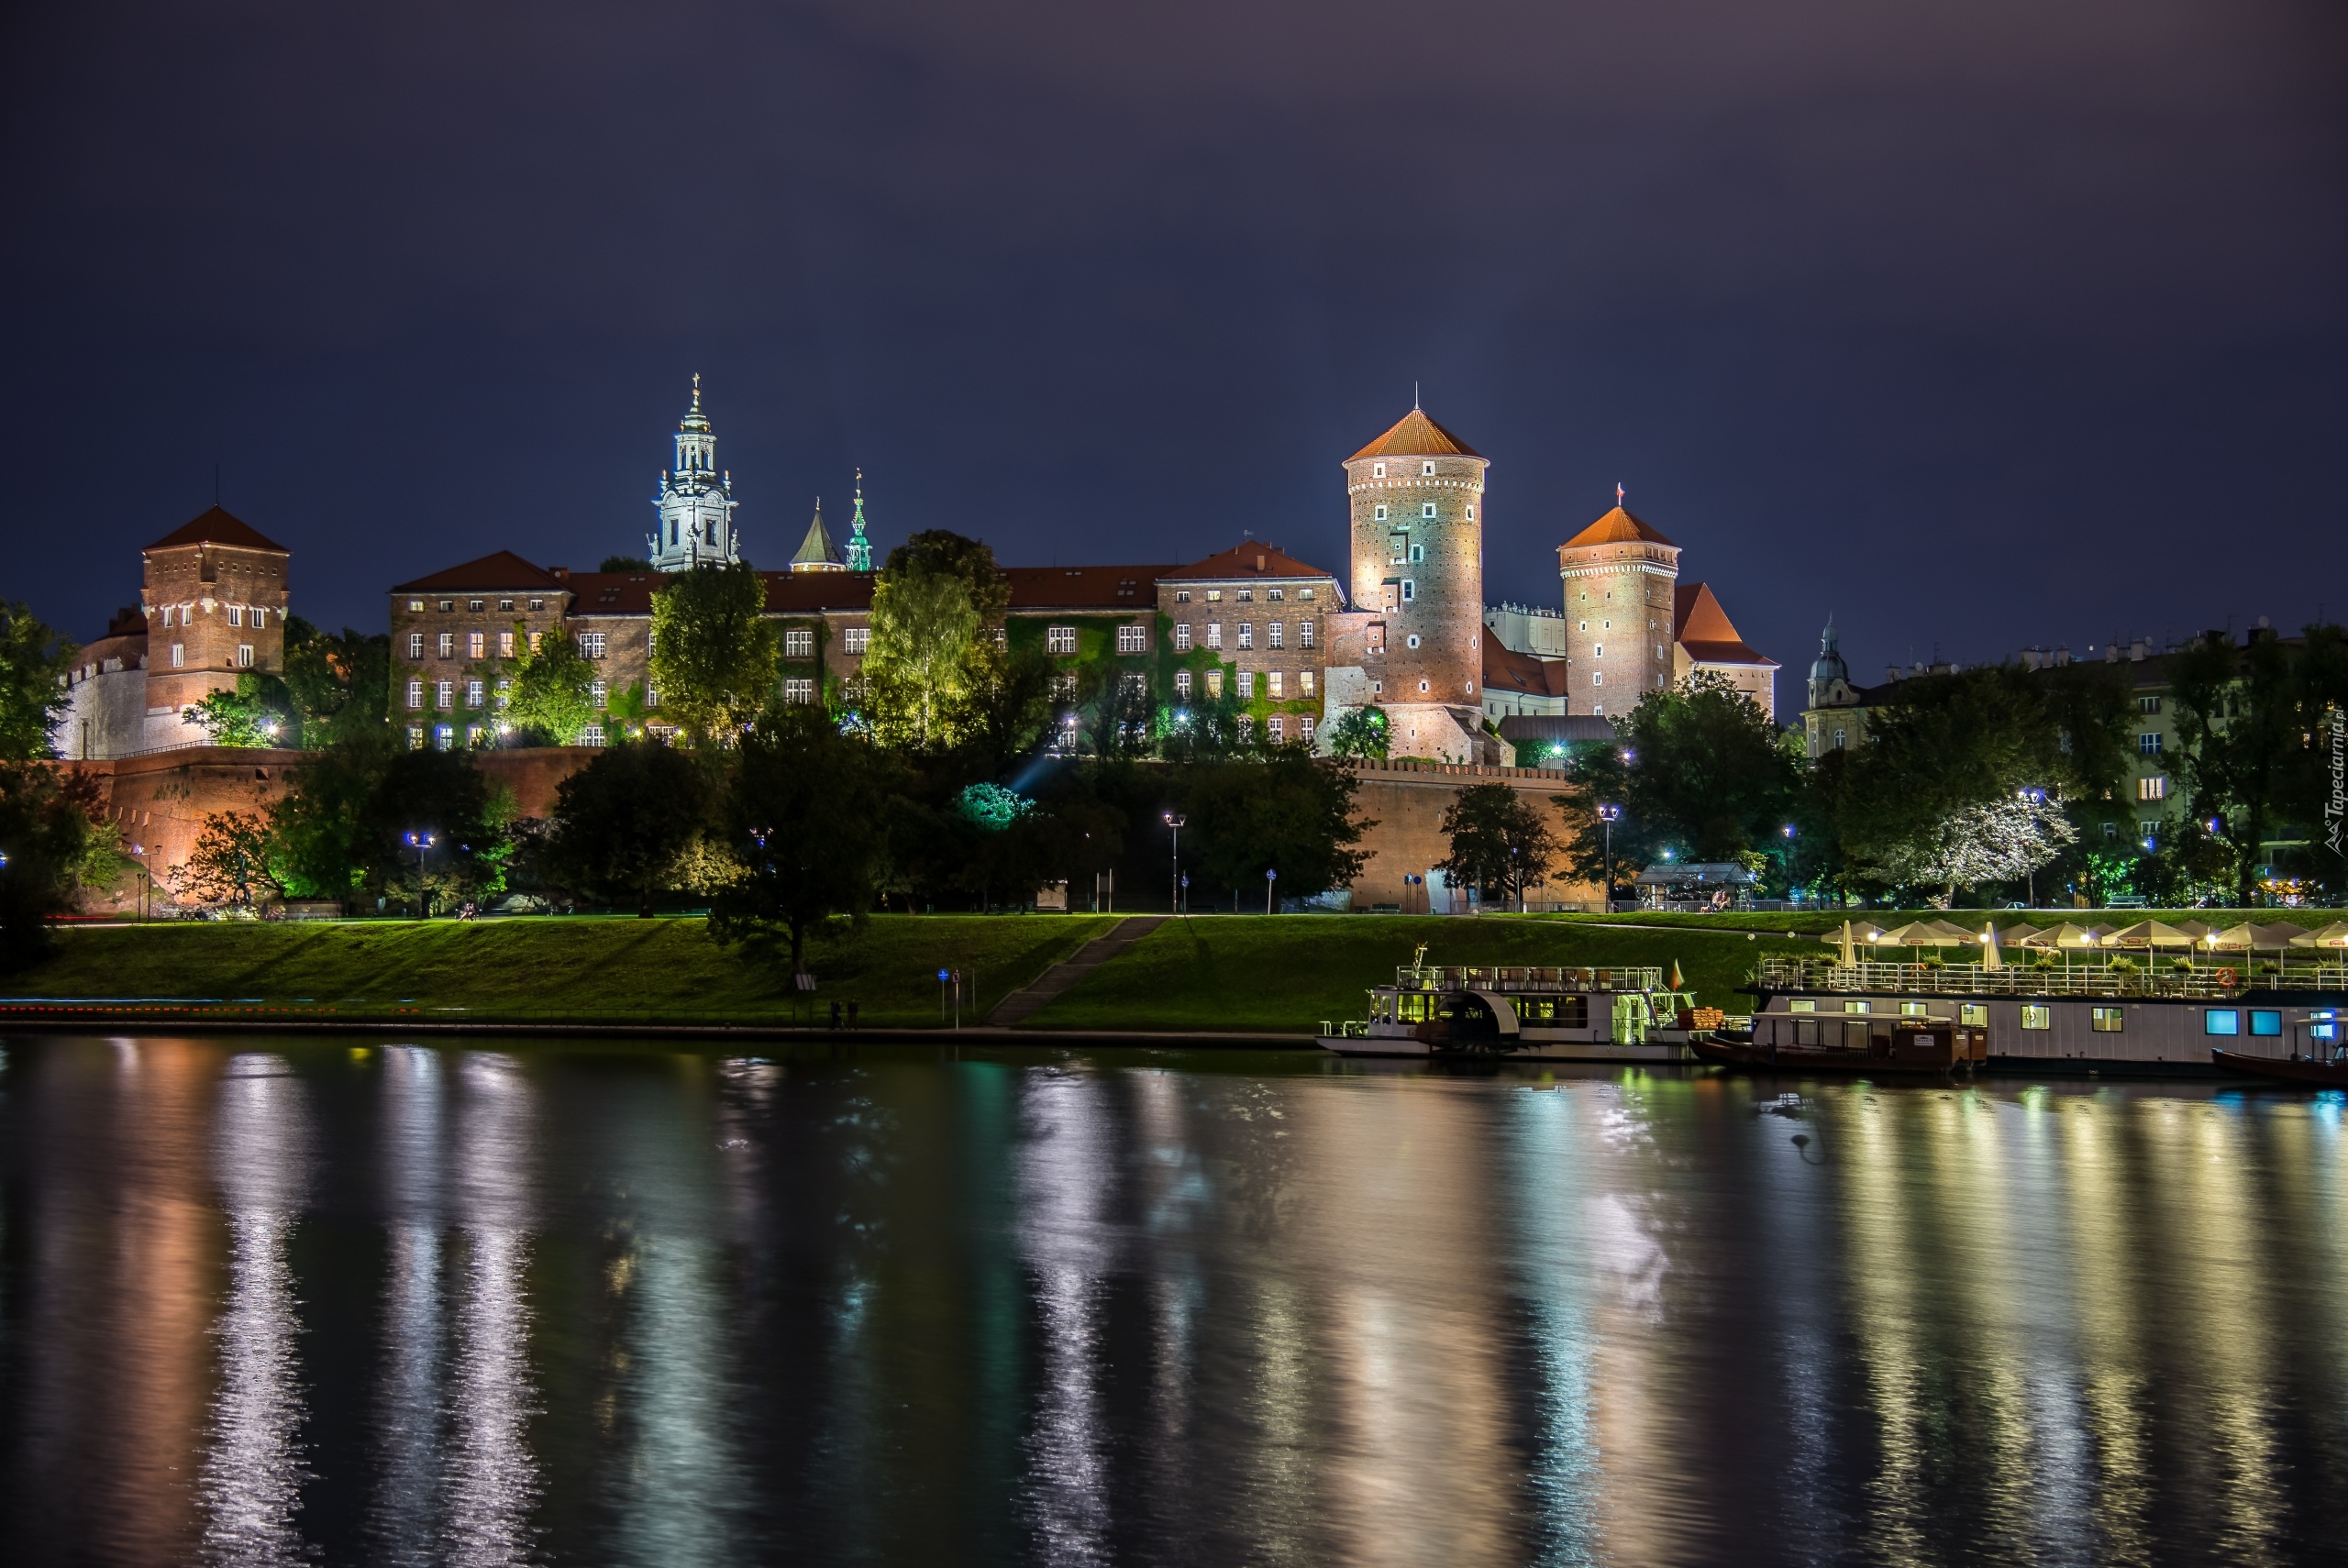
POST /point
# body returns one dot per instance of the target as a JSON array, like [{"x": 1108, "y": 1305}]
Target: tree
[
  {"x": 341, "y": 683},
  {"x": 624, "y": 564},
  {"x": 257, "y": 713},
  {"x": 34, "y": 661},
  {"x": 230, "y": 862},
  {"x": 936, "y": 606},
  {"x": 2241, "y": 725},
  {"x": 1501, "y": 842},
  {"x": 1289, "y": 813},
  {"x": 1361, "y": 733},
  {"x": 713, "y": 652},
  {"x": 320, "y": 828},
  {"x": 624, "y": 824},
  {"x": 803, "y": 811},
  {"x": 2004, "y": 840},
  {"x": 53, "y": 844},
  {"x": 438, "y": 795},
  {"x": 551, "y": 699}
]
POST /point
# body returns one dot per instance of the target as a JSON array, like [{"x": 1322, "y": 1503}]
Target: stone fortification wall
[{"x": 1406, "y": 799}]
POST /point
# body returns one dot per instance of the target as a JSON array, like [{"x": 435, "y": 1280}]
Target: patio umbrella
[
  {"x": 1953, "y": 933},
  {"x": 2150, "y": 933},
  {"x": 1849, "y": 957},
  {"x": 2195, "y": 929},
  {"x": 1917, "y": 933},
  {"x": 2064, "y": 935},
  {"x": 1989, "y": 947},
  {"x": 2333, "y": 936},
  {"x": 2279, "y": 936},
  {"x": 2017, "y": 934}
]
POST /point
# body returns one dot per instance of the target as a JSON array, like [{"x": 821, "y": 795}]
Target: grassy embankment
[
  {"x": 1815, "y": 921},
  {"x": 615, "y": 971},
  {"x": 1289, "y": 973}
]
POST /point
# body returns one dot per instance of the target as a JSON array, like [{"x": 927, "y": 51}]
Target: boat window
[
  {"x": 1912, "y": 1010},
  {"x": 2037, "y": 1015},
  {"x": 1973, "y": 1014},
  {"x": 1801, "y": 1004},
  {"x": 2264, "y": 1022},
  {"x": 1573, "y": 1012},
  {"x": 1534, "y": 1009},
  {"x": 2108, "y": 1021},
  {"x": 1858, "y": 1006},
  {"x": 2221, "y": 1021}
]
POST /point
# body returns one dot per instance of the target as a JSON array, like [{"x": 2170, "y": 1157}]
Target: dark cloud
[{"x": 1977, "y": 324}]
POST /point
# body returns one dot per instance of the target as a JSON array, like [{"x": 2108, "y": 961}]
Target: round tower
[
  {"x": 1416, "y": 495},
  {"x": 1621, "y": 577}
]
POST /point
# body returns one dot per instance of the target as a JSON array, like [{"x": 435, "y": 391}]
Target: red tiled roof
[
  {"x": 788, "y": 592},
  {"x": 1703, "y": 628},
  {"x": 1505, "y": 669},
  {"x": 1104, "y": 587},
  {"x": 1243, "y": 562},
  {"x": 1416, "y": 435},
  {"x": 1617, "y": 527},
  {"x": 503, "y": 570},
  {"x": 218, "y": 527}
]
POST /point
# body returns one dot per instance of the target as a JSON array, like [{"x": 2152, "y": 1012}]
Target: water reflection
[
  {"x": 253, "y": 1468},
  {"x": 418, "y": 1306}
]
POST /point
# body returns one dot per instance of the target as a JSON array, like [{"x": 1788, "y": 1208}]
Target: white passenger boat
[{"x": 1524, "y": 1012}]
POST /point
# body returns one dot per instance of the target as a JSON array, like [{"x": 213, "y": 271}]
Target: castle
[{"x": 1294, "y": 647}]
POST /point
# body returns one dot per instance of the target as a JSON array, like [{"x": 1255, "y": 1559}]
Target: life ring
[{"x": 2228, "y": 979}]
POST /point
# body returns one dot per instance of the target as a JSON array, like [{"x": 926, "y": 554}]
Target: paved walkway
[{"x": 1016, "y": 1008}]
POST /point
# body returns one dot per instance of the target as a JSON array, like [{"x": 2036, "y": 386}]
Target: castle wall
[{"x": 1406, "y": 799}]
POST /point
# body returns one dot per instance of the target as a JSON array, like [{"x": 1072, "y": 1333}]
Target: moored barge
[{"x": 1524, "y": 1012}]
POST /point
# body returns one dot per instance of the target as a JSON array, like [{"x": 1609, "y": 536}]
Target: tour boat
[
  {"x": 2323, "y": 1070},
  {"x": 2131, "y": 1017},
  {"x": 1524, "y": 1013},
  {"x": 1873, "y": 1046}
]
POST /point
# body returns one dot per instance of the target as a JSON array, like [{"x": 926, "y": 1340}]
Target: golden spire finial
[{"x": 696, "y": 392}]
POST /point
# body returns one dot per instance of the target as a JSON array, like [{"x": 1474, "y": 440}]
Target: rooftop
[
  {"x": 217, "y": 526},
  {"x": 1617, "y": 527},
  {"x": 1703, "y": 628},
  {"x": 1416, "y": 435},
  {"x": 495, "y": 573},
  {"x": 1243, "y": 562}
]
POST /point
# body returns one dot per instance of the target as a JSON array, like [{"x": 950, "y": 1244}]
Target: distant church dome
[{"x": 1828, "y": 665}]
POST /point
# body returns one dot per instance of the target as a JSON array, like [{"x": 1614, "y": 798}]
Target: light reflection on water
[{"x": 427, "y": 1306}]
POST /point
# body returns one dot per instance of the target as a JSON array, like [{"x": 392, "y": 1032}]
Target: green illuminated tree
[
  {"x": 933, "y": 659},
  {"x": 231, "y": 862},
  {"x": 625, "y": 824},
  {"x": 1360, "y": 734},
  {"x": 803, "y": 811},
  {"x": 1501, "y": 842},
  {"x": 713, "y": 652},
  {"x": 550, "y": 700},
  {"x": 34, "y": 661},
  {"x": 341, "y": 683}
]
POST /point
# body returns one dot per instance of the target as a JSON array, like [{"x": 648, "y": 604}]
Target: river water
[{"x": 264, "y": 1301}]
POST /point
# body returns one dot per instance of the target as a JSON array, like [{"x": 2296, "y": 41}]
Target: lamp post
[
  {"x": 422, "y": 841},
  {"x": 1609, "y": 815},
  {"x": 2036, "y": 796},
  {"x": 146, "y": 877},
  {"x": 1269, "y": 877},
  {"x": 1176, "y": 822}
]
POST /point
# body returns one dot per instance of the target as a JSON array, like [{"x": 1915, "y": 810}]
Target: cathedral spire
[
  {"x": 696, "y": 499},
  {"x": 860, "y": 549}
]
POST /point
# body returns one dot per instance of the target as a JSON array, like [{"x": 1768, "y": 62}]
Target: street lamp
[
  {"x": 146, "y": 877},
  {"x": 1177, "y": 822},
  {"x": 1609, "y": 815},
  {"x": 422, "y": 841}
]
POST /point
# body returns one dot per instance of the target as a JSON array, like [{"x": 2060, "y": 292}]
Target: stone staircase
[{"x": 1015, "y": 1008}]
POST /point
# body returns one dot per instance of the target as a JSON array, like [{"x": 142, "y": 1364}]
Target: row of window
[
  {"x": 1275, "y": 636},
  {"x": 449, "y": 606},
  {"x": 244, "y": 656},
  {"x": 238, "y": 615},
  {"x": 2101, "y": 1020},
  {"x": 444, "y": 693},
  {"x": 1426, "y": 511},
  {"x": 1275, "y": 684},
  {"x": 1244, "y": 595}
]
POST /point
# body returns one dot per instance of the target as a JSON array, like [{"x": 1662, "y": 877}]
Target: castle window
[
  {"x": 414, "y": 605},
  {"x": 1838, "y": 740},
  {"x": 1378, "y": 471},
  {"x": 1409, "y": 590},
  {"x": 1412, "y": 640},
  {"x": 1215, "y": 633},
  {"x": 1380, "y": 515},
  {"x": 415, "y": 737},
  {"x": 1597, "y": 650},
  {"x": 1597, "y": 710},
  {"x": 2148, "y": 704},
  {"x": 505, "y": 644},
  {"x": 534, "y": 605},
  {"x": 1214, "y": 684},
  {"x": 1247, "y": 728},
  {"x": 445, "y": 695},
  {"x": 1274, "y": 730},
  {"x": 473, "y": 606},
  {"x": 473, "y": 733},
  {"x": 1427, "y": 509},
  {"x": 415, "y": 644},
  {"x": 2152, "y": 789},
  {"x": 1214, "y": 595},
  {"x": 1304, "y": 729},
  {"x": 1064, "y": 687},
  {"x": 537, "y": 641},
  {"x": 799, "y": 642},
  {"x": 505, "y": 604},
  {"x": 187, "y": 614},
  {"x": 856, "y": 639},
  {"x": 591, "y": 645},
  {"x": 476, "y": 645},
  {"x": 1181, "y": 596},
  {"x": 447, "y": 605},
  {"x": 1246, "y": 633},
  {"x": 1418, "y": 552},
  {"x": 1304, "y": 682},
  {"x": 1246, "y": 596},
  {"x": 651, "y": 695},
  {"x": 1427, "y": 467},
  {"x": 1598, "y": 677},
  {"x": 416, "y": 693},
  {"x": 236, "y": 614},
  {"x": 802, "y": 691},
  {"x": 1471, "y": 514},
  {"x": 590, "y": 734},
  {"x": 2149, "y": 744},
  {"x": 444, "y": 736},
  {"x": 1305, "y": 634},
  {"x": 1273, "y": 639},
  {"x": 1304, "y": 593},
  {"x": 1183, "y": 685},
  {"x": 260, "y": 616},
  {"x": 1183, "y": 637},
  {"x": 1132, "y": 640},
  {"x": 505, "y": 694},
  {"x": 1271, "y": 683},
  {"x": 167, "y": 613},
  {"x": 244, "y": 656},
  {"x": 472, "y": 693},
  {"x": 1059, "y": 640},
  {"x": 447, "y": 644},
  {"x": 599, "y": 692},
  {"x": 1277, "y": 594}
]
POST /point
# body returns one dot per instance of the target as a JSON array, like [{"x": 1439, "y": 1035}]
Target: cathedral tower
[
  {"x": 696, "y": 499},
  {"x": 1619, "y": 576},
  {"x": 1416, "y": 496}
]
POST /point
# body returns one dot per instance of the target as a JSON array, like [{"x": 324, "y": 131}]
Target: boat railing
[
  {"x": 2158, "y": 978},
  {"x": 1526, "y": 977}
]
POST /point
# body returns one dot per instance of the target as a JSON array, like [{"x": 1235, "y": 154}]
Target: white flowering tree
[{"x": 1997, "y": 841}]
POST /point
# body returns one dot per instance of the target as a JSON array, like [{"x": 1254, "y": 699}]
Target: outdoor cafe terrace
[{"x": 2148, "y": 959}]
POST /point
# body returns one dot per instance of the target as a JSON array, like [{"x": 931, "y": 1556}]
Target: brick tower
[
  {"x": 215, "y": 599},
  {"x": 1618, "y": 574},
  {"x": 1416, "y": 496}
]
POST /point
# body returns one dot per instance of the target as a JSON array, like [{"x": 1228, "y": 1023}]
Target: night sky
[{"x": 1977, "y": 324}]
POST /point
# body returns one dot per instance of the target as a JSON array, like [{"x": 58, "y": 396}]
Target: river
[{"x": 272, "y": 1301}]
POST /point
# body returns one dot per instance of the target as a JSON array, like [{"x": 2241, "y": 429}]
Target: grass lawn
[
  {"x": 1813, "y": 921},
  {"x": 1290, "y": 972},
  {"x": 619, "y": 971}
]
